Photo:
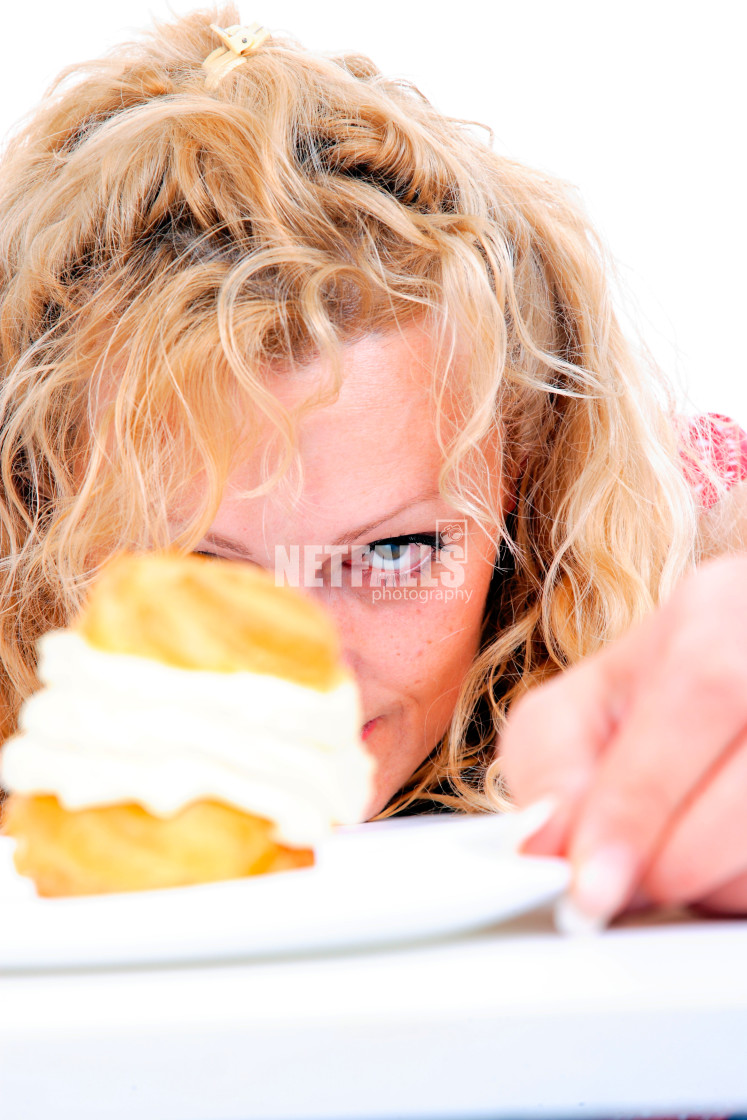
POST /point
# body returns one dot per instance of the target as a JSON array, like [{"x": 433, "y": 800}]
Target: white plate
[{"x": 374, "y": 884}]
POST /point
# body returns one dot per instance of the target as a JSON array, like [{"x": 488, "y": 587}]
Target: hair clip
[{"x": 238, "y": 42}]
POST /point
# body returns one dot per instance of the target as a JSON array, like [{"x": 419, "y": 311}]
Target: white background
[{"x": 642, "y": 105}]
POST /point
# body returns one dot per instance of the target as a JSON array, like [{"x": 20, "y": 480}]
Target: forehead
[{"x": 378, "y": 435}]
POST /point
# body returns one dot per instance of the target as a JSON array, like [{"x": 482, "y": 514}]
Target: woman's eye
[
  {"x": 394, "y": 556},
  {"x": 401, "y": 554}
]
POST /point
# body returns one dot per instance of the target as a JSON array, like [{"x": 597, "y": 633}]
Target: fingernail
[
  {"x": 550, "y": 838},
  {"x": 530, "y": 820},
  {"x": 602, "y": 882},
  {"x": 572, "y": 922}
]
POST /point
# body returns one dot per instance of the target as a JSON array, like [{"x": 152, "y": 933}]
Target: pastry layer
[
  {"x": 110, "y": 727},
  {"x": 123, "y": 847},
  {"x": 194, "y": 613}
]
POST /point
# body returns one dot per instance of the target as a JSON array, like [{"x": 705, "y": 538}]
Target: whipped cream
[{"x": 108, "y": 727}]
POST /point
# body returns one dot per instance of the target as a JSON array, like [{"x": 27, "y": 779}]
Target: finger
[
  {"x": 681, "y": 720},
  {"x": 684, "y": 708},
  {"x": 552, "y": 838},
  {"x": 556, "y": 734},
  {"x": 551, "y": 743},
  {"x": 705, "y": 849},
  {"x": 730, "y": 898},
  {"x": 651, "y": 770}
]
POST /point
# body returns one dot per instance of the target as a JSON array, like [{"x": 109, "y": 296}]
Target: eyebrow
[
  {"x": 363, "y": 530},
  {"x": 228, "y": 545}
]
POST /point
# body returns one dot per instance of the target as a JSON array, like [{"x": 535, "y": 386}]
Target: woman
[{"x": 274, "y": 302}]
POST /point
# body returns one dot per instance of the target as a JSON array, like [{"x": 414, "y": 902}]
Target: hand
[{"x": 645, "y": 746}]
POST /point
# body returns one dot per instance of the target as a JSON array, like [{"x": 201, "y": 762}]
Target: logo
[
  {"x": 429, "y": 571},
  {"x": 453, "y": 535}
]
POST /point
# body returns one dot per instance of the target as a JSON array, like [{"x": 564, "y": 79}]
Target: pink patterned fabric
[{"x": 721, "y": 443}]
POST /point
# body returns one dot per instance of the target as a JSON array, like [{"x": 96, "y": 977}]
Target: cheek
[
  {"x": 410, "y": 656},
  {"x": 420, "y": 647},
  {"x": 411, "y": 681}
]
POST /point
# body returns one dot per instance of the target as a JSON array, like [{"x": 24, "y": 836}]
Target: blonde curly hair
[{"x": 161, "y": 246}]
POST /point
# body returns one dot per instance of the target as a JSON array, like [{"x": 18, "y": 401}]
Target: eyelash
[{"x": 432, "y": 541}]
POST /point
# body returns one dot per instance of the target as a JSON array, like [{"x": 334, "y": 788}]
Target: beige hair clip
[{"x": 238, "y": 42}]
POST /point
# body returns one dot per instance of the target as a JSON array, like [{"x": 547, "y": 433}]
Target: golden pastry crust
[
  {"x": 194, "y": 613},
  {"x": 125, "y": 848}
]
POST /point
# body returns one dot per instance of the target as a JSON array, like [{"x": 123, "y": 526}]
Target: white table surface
[{"x": 648, "y": 1018}]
